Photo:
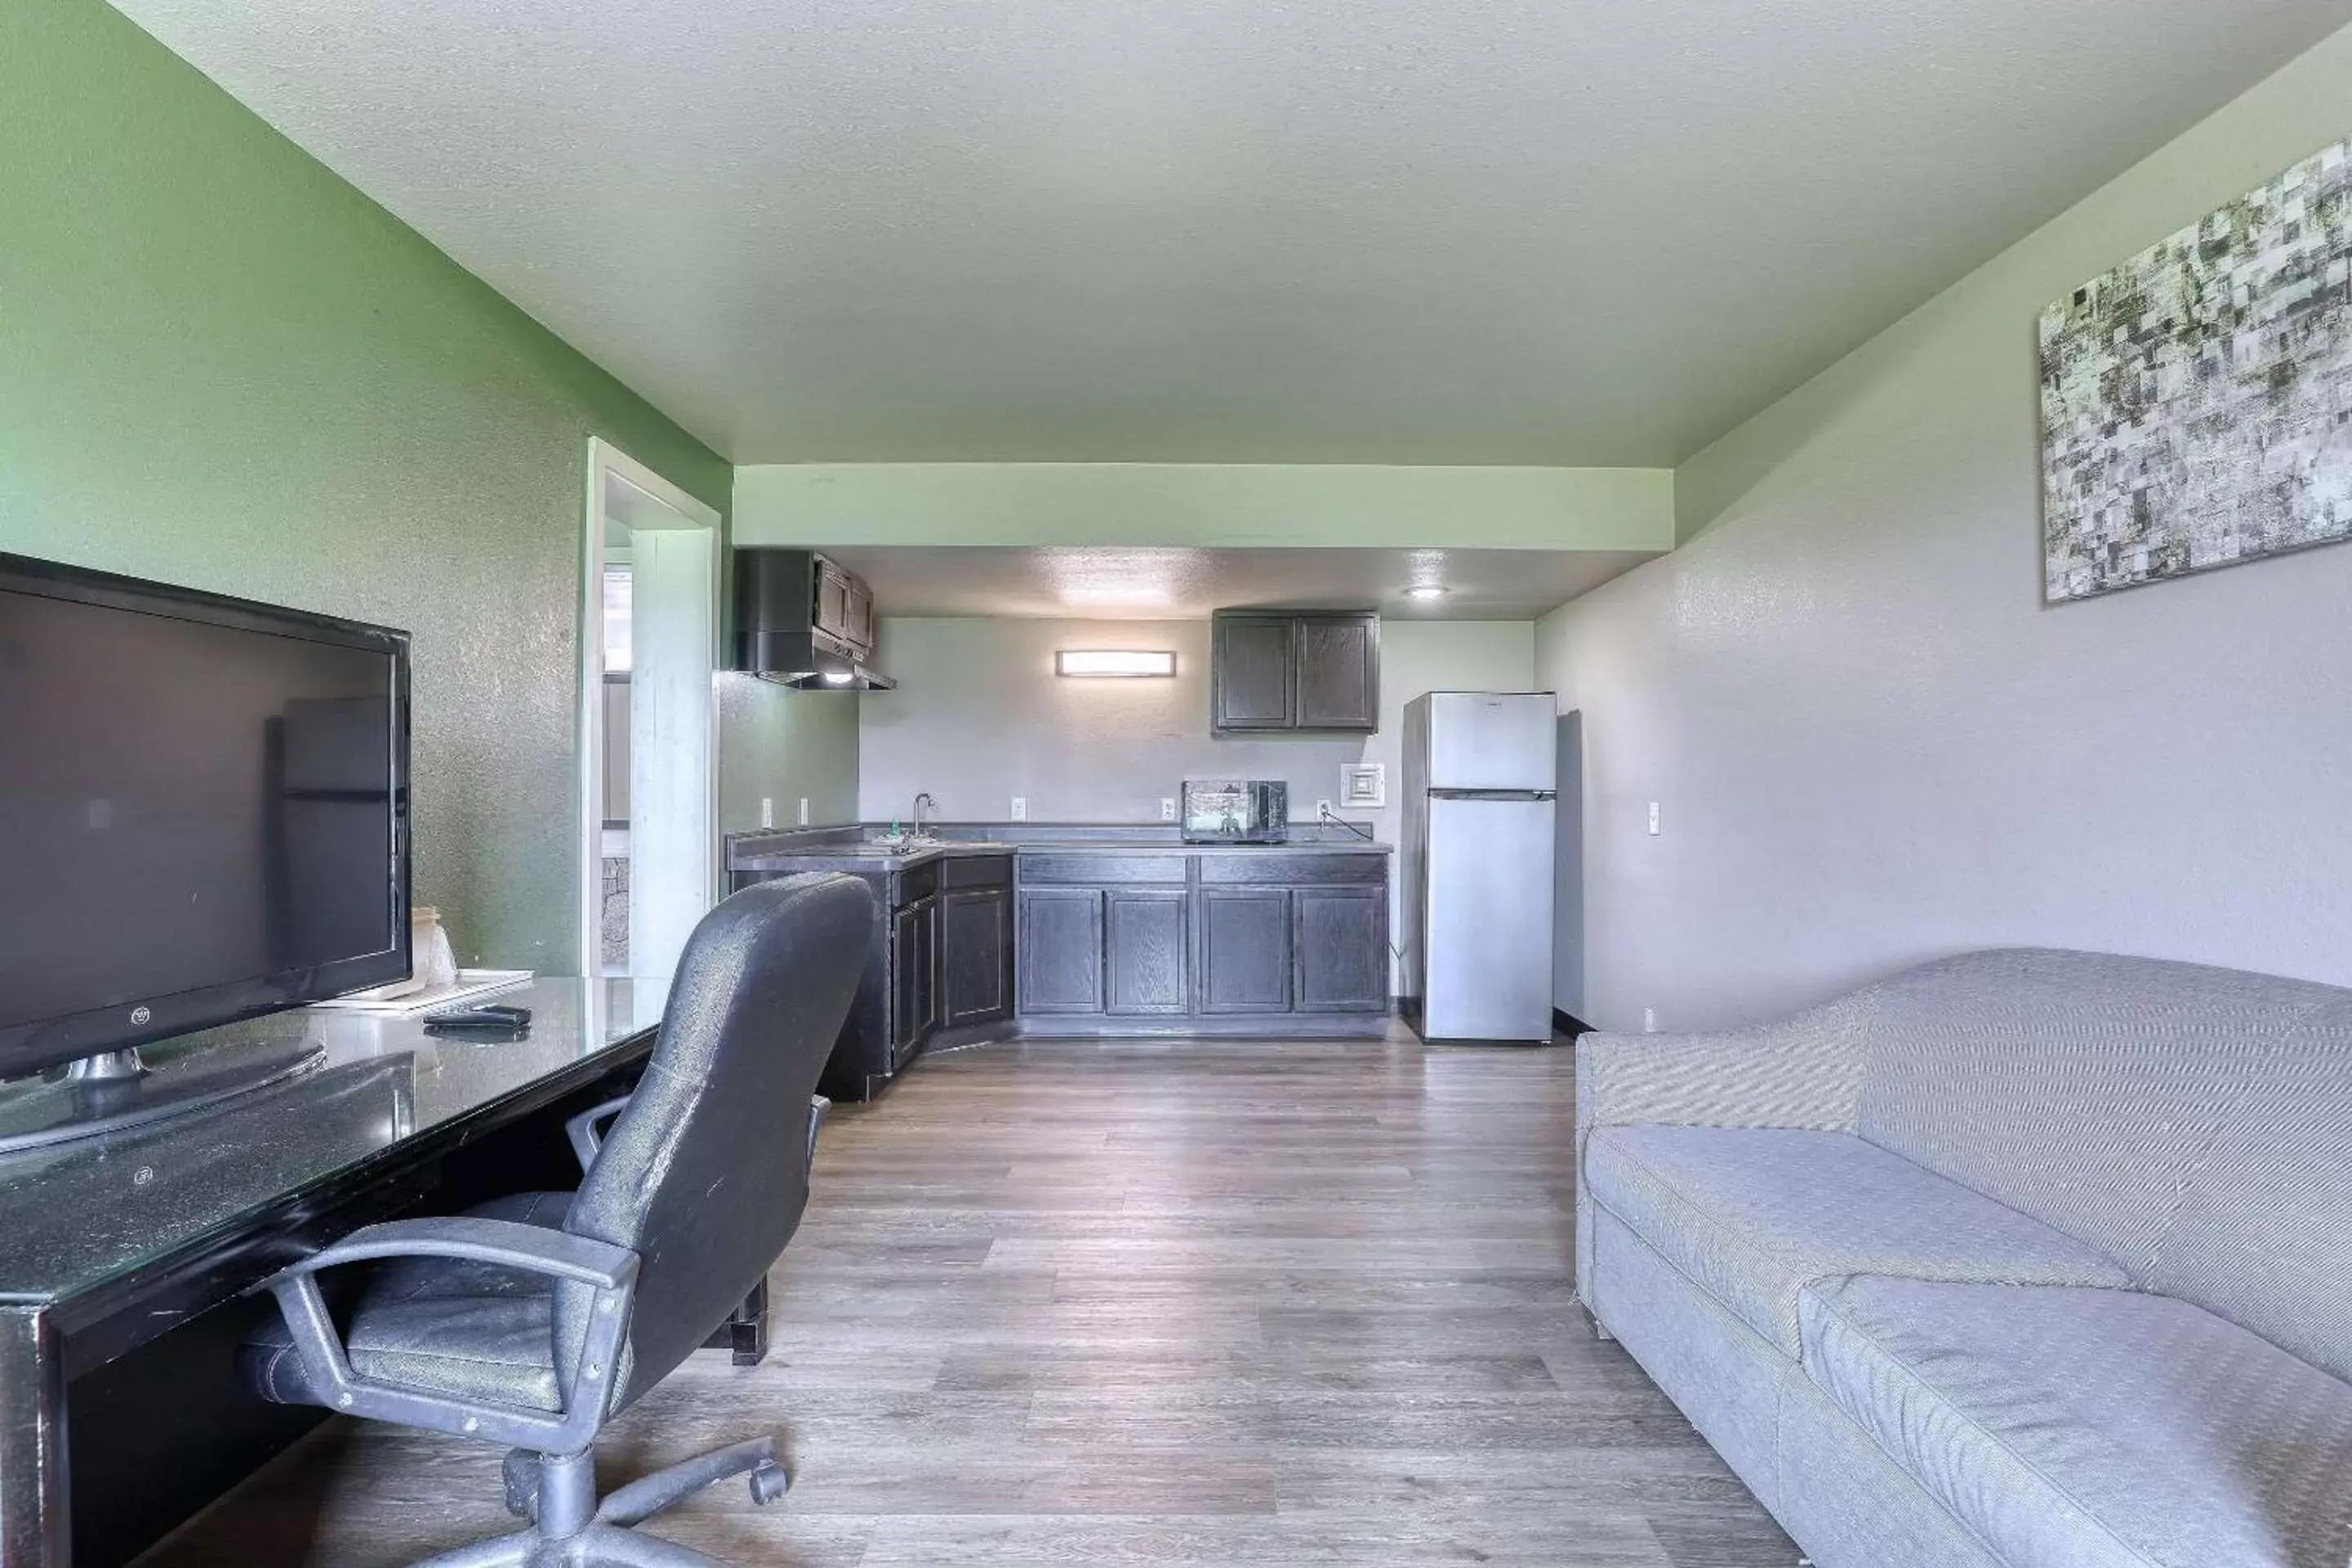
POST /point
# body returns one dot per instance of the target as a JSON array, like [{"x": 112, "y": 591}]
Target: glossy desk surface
[{"x": 83, "y": 1216}]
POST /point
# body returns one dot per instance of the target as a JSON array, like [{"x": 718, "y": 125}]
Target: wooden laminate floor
[{"x": 1193, "y": 1302}]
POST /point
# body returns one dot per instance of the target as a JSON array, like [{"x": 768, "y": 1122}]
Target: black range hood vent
[{"x": 802, "y": 621}]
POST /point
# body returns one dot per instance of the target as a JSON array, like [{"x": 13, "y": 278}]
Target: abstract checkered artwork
[{"x": 2197, "y": 402}]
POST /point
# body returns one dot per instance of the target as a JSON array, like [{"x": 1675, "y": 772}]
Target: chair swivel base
[{"x": 571, "y": 1529}]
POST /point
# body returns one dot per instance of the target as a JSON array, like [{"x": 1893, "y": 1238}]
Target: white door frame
[{"x": 608, "y": 467}]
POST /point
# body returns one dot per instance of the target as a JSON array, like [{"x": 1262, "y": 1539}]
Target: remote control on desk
[{"x": 490, "y": 1022}]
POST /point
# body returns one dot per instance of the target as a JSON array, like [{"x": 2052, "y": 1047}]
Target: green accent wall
[
  {"x": 222, "y": 365},
  {"x": 1205, "y": 505}
]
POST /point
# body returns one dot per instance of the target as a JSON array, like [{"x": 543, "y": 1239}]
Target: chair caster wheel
[
  {"x": 769, "y": 1482},
  {"x": 522, "y": 1472}
]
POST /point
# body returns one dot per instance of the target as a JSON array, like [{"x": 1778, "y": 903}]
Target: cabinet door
[
  {"x": 832, "y": 610},
  {"x": 858, "y": 619},
  {"x": 976, "y": 956},
  {"x": 1244, "y": 950},
  {"x": 1339, "y": 949},
  {"x": 1253, "y": 672},
  {"x": 1150, "y": 967},
  {"x": 1060, "y": 955},
  {"x": 914, "y": 976},
  {"x": 1339, "y": 672}
]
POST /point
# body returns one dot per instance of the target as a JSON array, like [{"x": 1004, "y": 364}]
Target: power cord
[{"x": 1325, "y": 814}]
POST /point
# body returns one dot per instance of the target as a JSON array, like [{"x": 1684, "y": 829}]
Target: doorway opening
[{"x": 648, "y": 718}]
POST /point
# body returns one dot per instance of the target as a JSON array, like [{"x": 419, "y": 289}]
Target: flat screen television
[{"x": 203, "y": 812}]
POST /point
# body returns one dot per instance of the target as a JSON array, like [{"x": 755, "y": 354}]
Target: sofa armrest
[{"x": 1804, "y": 1072}]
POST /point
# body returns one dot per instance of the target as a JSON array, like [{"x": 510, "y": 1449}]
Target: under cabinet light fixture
[{"x": 1116, "y": 664}]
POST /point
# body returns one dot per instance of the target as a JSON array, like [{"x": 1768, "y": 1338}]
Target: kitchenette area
[{"x": 1129, "y": 826}]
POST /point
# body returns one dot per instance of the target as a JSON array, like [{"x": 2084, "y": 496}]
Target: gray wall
[
  {"x": 783, "y": 745},
  {"x": 980, "y": 717},
  {"x": 1872, "y": 740}
]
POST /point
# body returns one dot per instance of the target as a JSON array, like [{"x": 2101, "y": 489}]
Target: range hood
[{"x": 802, "y": 621}]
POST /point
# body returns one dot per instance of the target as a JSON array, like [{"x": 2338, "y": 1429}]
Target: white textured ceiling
[
  {"x": 1399, "y": 231},
  {"x": 1138, "y": 584}
]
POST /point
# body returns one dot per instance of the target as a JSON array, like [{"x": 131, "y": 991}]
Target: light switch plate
[
  {"x": 767, "y": 811},
  {"x": 803, "y": 811},
  {"x": 1654, "y": 829}
]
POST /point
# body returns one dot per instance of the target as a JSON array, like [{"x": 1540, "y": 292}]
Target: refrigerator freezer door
[
  {"x": 1487, "y": 740},
  {"x": 1488, "y": 920}
]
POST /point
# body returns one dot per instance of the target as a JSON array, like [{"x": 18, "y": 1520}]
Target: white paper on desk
[{"x": 471, "y": 983}]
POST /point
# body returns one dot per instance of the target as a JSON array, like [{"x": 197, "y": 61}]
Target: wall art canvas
[{"x": 2197, "y": 402}]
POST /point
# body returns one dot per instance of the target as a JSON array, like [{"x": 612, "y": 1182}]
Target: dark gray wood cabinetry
[
  {"x": 975, "y": 956},
  {"x": 1273, "y": 670},
  {"x": 1244, "y": 950},
  {"x": 1146, "y": 957},
  {"x": 1254, "y": 672},
  {"x": 1234, "y": 941},
  {"x": 914, "y": 977},
  {"x": 1339, "y": 949},
  {"x": 1059, "y": 951}
]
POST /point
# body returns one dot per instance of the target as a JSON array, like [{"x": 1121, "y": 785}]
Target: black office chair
[{"x": 533, "y": 1319}]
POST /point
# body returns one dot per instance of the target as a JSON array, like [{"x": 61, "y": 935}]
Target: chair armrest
[
  {"x": 509, "y": 1244},
  {"x": 608, "y": 1271},
  {"x": 587, "y": 1130},
  {"x": 818, "y": 1106}
]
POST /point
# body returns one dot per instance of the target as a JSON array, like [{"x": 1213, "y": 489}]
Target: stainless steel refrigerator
[{"x": 1477, "y": 865}]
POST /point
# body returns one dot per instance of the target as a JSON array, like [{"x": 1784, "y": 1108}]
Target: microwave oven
[{"x": 1236, "y": 811}]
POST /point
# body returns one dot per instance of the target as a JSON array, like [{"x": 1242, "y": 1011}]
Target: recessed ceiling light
[{"x": 1427, "y": 591}]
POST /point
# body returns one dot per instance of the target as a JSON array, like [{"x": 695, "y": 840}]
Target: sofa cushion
[
  {"x": 2260, "y": 1237},
  {"x": 2079, "y": 1088},
  {"x": 1752, "y": 1214},
  {"x": 2093, "y": 1428}
]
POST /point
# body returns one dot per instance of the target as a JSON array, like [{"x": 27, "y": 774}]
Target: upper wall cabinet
[{"x": 1272, "y": 670}]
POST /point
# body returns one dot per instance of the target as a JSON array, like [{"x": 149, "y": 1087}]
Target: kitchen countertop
[{"x": 836, "y": 850}]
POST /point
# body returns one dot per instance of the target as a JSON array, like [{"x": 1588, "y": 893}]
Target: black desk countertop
[{"x": 80, "y": 1216}]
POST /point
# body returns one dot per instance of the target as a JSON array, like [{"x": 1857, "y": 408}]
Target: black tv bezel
[{"x": 33, "y": 1047}]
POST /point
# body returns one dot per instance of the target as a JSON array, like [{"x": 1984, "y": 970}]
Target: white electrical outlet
[
  {"x": 1649, "y": 1020},
  {"x": 1323, "y": 812},
  {"x": 1654, "y": 829},
  {"x": 1020, "y": 809},
  {"x": 767, "y": 812},
  {"x": 1167, "y": 808},
  {"x": 803, "y": 811}
]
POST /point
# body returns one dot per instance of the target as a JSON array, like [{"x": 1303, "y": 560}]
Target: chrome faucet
[{"x": 923, "y": 802}]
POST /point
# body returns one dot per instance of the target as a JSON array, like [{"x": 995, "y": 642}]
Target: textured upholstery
[
  {"x": 2081, "y": 1089},
  {"x": 1805, "y": 1072},
  {"x": 2190, "y": 1126},
  {"x": 465, "y": 1330},
  {"x": 1752, "y": 1215},
  {"x": 2074, "y": 1428},
  {"x": 703, "y": 1176},
  {"x": 2261, "y": 1236}
]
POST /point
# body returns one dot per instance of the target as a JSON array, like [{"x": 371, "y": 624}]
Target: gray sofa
[{"x": 2025, "y": 1258}]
